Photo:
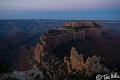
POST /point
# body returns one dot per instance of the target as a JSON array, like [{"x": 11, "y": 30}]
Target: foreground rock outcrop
[{"x": 90, "y": 66}]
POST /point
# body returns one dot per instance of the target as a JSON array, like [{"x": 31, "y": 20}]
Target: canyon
[{"x": 76, "y": 48}]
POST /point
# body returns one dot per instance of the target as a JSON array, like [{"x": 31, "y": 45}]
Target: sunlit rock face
[
  {"x": 38, "y": 52},
  {"x": 77, "y": 61},
  {"x": 91, "y": 66}
]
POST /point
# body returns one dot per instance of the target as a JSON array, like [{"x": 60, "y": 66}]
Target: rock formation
[
  {"x": 77, "y": 61},
  {"x": 91, "y": 66},
  {"x": 38, "y": 52},
  {"x": 51, "y": 39},
  {"x": 78, "y": 23}
]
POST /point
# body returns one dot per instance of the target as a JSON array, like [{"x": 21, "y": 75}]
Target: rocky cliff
[
  {"x": 90, "y": 66},
  {"x": 53, "y": 38}
]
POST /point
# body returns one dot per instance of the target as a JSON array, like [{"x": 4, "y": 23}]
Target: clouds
[{"x": 58, "y": 4}]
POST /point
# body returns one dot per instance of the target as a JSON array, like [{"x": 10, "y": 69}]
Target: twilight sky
[{"x": 60, "y": 9}]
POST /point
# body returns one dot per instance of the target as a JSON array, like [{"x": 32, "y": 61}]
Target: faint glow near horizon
[
  {"x": 58, "y": 4},
  {"x": 60, "y": 9}
]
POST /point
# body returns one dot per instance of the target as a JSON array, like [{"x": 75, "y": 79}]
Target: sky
[{"x": 60, "y": 9}]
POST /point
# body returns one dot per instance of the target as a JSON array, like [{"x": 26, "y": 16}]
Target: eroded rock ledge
[{"x": 90, "y": 66}]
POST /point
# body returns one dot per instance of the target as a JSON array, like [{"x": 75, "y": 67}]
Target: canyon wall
[{"x": 53, "y": 38}]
